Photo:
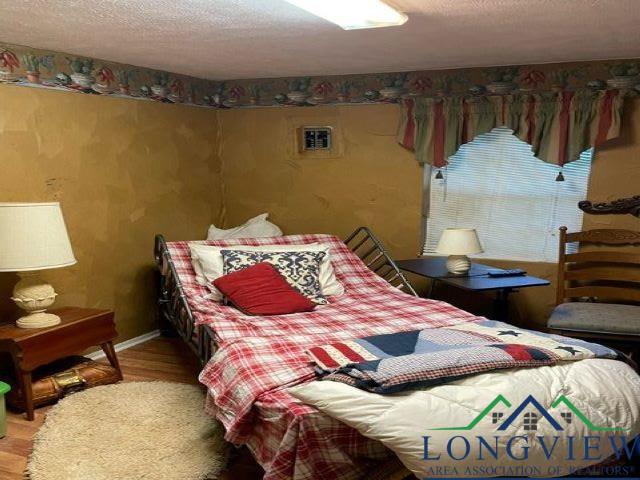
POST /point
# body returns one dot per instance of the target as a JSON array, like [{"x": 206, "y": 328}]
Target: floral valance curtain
[{"x": 558, "y": 125}]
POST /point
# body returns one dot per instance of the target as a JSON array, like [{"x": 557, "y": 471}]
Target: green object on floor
[{"x": 4, "y": 388}]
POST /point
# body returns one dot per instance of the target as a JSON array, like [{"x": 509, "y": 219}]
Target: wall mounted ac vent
[{"x": 316, "y": 138}]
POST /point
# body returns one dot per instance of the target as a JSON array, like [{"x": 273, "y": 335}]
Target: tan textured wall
[
  {"x": 373, "y": 181},
  {"x": 369, "y": 181},
  {"x": 616, "y": 171},
  {"x": 123, "y": 171}
]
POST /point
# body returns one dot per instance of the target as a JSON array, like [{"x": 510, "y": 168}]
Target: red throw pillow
[{"x": 261, "y": 290}]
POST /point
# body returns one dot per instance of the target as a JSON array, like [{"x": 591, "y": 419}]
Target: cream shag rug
[{"x": 130, "y": 431}]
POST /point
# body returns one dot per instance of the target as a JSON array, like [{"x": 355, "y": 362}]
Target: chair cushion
[{"x": 596, "y": 317}]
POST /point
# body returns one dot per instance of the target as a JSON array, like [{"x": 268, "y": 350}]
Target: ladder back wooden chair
[{"x": 598, "y": 294}]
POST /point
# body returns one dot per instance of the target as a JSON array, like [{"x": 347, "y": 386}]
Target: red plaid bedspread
[{"x": 259, "y": 357}]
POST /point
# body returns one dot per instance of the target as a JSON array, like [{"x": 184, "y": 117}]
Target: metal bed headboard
[
  {"x": 174, "y": 310},
  {"x": 366, "y": 245}
]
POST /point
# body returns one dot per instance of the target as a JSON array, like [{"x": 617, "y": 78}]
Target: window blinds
[{"x": 495, "y": 185}]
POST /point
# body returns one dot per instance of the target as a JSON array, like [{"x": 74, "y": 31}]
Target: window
[{"x": 495, "y": 185}]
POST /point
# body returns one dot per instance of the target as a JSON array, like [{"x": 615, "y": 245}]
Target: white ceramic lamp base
[
  {"x": 35, "y": 296},
  {"x": 458, "y": 264},
  {"x": 38, "y": 320}
]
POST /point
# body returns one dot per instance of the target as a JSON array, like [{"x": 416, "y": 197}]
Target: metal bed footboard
[{"x": 174, "y": 310}]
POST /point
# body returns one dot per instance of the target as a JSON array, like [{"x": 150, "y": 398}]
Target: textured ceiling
[{"x": 225, "y": 39}]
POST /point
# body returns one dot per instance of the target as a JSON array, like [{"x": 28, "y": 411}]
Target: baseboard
[{"x": 132, "y": 342}]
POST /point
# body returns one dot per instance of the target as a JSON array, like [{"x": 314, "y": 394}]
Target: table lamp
[
  {"x": 33, "y": 237},
  {"x": 458, "y": 243}
]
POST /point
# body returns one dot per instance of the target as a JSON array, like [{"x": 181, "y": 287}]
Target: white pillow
[
  {"x": 207, "y": 263},
  {"x": 256, "y": 227}
]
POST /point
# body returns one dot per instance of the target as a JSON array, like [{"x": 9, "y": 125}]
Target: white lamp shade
[
  {"x": 33, "y": 236},
  {"x": 459, "y": 241}
]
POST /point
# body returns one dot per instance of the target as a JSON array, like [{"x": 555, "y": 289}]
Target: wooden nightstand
[{"x": 80, "y": 329}]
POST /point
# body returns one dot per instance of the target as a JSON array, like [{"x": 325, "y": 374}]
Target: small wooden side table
[{"x": 80, "y": 329}]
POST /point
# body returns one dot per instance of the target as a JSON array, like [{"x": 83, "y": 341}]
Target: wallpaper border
[{"x": 30, "y": 67}]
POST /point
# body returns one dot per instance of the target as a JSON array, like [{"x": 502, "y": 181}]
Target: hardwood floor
[{"x": 166, "y": 359}]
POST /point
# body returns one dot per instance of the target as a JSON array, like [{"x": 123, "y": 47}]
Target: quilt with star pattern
[{"x": 398, "y": 361}]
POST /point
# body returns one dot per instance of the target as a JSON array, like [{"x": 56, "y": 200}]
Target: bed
[
  {"x": 250, "y": 362},
  {"x": 269, "y": 421}
]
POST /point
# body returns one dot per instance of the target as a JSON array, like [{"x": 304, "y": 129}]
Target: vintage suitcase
[{"x": 71, "y": 374}]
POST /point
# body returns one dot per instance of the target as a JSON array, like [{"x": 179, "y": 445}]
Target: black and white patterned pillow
[{"x": 300, "y": 269}]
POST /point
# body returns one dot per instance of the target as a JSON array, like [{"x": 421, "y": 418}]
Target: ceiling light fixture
[{"x": 353, "y": 14}]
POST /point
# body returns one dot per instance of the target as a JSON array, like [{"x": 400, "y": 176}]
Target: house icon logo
[{"x": 532, "y": 412}]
